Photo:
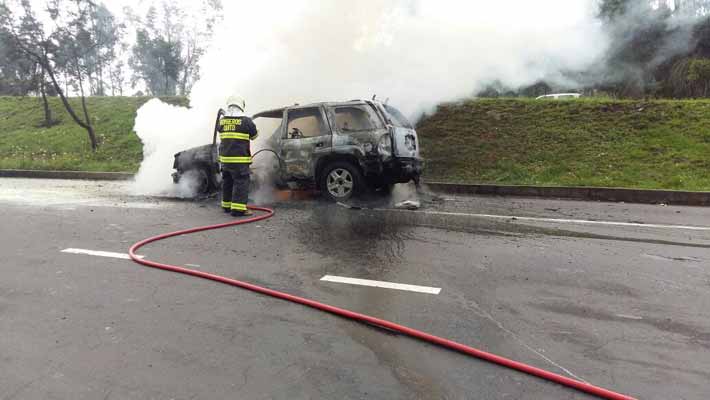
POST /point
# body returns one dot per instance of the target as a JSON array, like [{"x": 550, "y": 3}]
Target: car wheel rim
[{"x": 340, "y": 182}]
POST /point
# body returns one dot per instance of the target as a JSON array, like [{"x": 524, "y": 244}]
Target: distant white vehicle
[{"x": 556, "y": 96}]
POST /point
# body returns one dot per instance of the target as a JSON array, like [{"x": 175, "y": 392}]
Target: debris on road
[
  {"x": 348, "y": 206},
  {"x": 408, "y": 205}
]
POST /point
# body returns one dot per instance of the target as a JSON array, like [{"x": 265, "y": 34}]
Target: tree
[
  {"x": 200, "y": 31},
  {"x": 156, "y": 55},
  {"x": 656, "y": 43},
  {"x": 167, "y": 50},
  {"x": 117, "y": 78},
  {"x": 20, "y": 75},
  {"x": 699, "y": 75},
  {"x": 539, "y": 88},
  {"x": 691, "y": 7},
  {"x": 107, "y": 35},
  {"x": 492, "y": 90},
  {"x": 644, "y": 39},
  {"x": 64, "y": 48},
  {"x": 610, "y": 10},
  {"x": 41, "y": 81},
  {"x": 17, "y": 72}
]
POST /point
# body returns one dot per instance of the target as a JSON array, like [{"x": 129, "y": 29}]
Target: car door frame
[{"x": 300, "y": 156}]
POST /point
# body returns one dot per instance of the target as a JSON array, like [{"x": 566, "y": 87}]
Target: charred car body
[{"x": 342, "y": 148}]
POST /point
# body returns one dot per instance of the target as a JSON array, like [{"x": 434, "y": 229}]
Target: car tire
[
  {"x": 341, "y": 180},
  {"x": 198, "y": 181}
]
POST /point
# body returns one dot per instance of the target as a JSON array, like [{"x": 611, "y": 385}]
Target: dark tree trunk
[
  {"x": 86, "y": 125},
  {"x": 183, "y": 83},
  {"x": 100, "y": 74},
  {"x": 48, "y": 121},
  {"x": 89, "y": 128}
]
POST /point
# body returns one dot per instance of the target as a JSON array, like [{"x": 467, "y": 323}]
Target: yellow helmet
[{"x": 236, "y": 101}]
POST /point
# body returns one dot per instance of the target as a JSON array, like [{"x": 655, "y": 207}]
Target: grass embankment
[
  {"x": 26, "y": 144},
  {"x": 637, "y": 144}
]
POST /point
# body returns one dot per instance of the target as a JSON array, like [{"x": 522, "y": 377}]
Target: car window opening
[
  {"x": 305, "y": 123},
  {"x": 269, "y": 124},
  {"x": 355, "y": 119}
]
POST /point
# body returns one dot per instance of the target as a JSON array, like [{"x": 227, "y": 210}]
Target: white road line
[
  {"x": 381, "y": 284},
  {"x": 626, "y": 316},
  {"x": 558, "y": 220},
  {"x": 99, "y": 253}
]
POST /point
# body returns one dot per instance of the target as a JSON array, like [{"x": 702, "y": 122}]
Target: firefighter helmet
[{"x": 236, "y": 101}]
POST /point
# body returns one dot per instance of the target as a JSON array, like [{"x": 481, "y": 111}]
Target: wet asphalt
[{"x": 626, "y": 307}]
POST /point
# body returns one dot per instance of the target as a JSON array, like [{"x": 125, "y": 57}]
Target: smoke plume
[{"x": 417, "y": 53}]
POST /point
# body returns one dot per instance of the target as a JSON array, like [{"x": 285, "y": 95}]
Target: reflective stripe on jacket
[
  {"x": 235, "y": 134},
  {"x": 234, "y": 160}
]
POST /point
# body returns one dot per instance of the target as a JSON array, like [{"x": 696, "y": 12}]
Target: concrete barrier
[{"x": 676, "y": 197}]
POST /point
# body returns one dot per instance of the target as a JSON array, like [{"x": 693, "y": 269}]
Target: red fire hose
[{"x": 550, "y": 376}]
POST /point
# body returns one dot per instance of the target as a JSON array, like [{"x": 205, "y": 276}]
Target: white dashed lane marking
[
  {"x": 99, "y": 253},
  {"x": 381, "y": 284}
]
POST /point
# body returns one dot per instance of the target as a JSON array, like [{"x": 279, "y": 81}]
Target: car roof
[{"x": 278, "y": 112}]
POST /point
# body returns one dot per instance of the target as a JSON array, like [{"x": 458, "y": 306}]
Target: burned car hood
[{"x": 199, "y": 155}]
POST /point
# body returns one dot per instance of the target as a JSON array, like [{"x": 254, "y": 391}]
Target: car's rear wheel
[{"x": 341, "y": 180}]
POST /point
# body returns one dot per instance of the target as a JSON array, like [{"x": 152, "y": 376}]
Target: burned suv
[{"x": 341, "y": 148}]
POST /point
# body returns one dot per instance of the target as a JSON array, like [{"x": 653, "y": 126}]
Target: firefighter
[{"x": 236, "y": 130}]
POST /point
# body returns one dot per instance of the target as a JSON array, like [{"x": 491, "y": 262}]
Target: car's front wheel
[
  {"x": 193, "y": 182},
  {"x": 341, "y": 180}
]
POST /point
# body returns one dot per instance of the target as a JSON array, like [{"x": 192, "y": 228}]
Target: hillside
[
  {"x": 645, "y": 144},
  {"x": 25, "y": 144}
]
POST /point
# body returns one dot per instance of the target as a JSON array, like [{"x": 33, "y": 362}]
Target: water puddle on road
[{"x": 354, "y": 238}]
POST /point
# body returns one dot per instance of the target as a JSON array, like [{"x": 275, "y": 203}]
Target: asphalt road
[{"x": 614, "y": 294}]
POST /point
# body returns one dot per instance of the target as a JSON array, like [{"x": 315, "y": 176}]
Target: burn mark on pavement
[{"x": 695, "y": 334}]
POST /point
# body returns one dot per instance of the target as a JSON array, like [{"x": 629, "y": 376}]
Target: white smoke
[
  {"x": 417, "y": 53},
  {"x": 165, "y": 130}
]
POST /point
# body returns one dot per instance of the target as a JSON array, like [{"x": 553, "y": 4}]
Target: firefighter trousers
[{"x": 235, "y": 187}]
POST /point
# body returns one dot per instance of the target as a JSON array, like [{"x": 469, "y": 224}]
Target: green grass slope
[
  {"x": 638, "y": 144},
  {"x": 641, "y": 144},
  {"x": 25, "y": 144}
]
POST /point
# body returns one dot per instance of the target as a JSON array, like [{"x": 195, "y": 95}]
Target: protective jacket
[{"x": 235, "y": 134}]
